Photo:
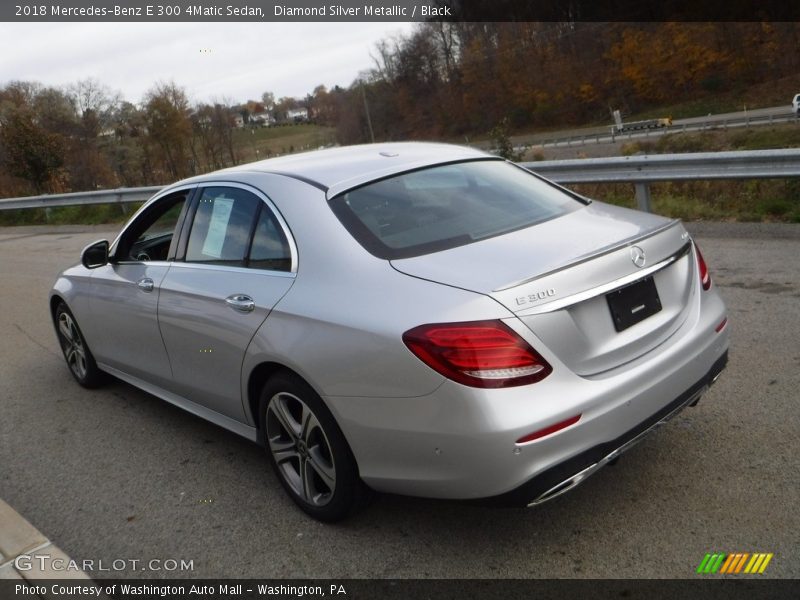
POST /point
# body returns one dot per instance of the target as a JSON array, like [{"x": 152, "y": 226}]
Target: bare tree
[{"x": 94, "y": 104}]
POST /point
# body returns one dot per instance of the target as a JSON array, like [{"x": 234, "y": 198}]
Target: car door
[
  {"x": 237, "y": 263},
  {"x": 124, "y": 293}
]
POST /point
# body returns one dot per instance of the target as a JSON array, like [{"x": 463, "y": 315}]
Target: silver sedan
[{"x": 411, "y": 318}]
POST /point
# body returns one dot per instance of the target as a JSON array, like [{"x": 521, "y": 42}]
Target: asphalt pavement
[{"x": 118, "y": 475}]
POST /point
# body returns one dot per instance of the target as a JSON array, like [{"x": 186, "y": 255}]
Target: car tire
[
  {"x": 308, "y": 451},
  {"x": 79, "y": 358}
]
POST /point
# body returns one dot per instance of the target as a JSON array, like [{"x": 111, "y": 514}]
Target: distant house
[
  {"x": 297, "y": 115},
  {"x": 238, "y": 121},
  {"x": 263, "y": 119}
]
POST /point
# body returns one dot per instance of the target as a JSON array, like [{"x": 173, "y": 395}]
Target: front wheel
[
  {"x": 308, "y": 450},
  {"x": 79, "y": 358}
]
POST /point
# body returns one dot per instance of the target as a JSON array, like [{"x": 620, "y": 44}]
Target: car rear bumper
[
  {"x": 574, "y": 471},
  {"x": 461, "y": 443}
]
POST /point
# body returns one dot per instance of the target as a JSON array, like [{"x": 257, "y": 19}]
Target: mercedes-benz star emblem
[{"x": 637, "y": 256}]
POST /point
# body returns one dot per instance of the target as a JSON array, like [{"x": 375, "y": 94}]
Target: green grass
[
  {"x": 753, "y": 200},
  {"x": 763, "y": 138},
  {"x": 786, "y": 135},
  {"x": 265, "y": 142}
]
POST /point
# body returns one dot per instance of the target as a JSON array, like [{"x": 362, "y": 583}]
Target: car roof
[{"x": 336, "y": 170}]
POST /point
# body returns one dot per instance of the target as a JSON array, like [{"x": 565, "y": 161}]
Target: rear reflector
[
  {"x": 548, "y": 430},
  {"x": 483, "y": 354},
  {"x": 705, "y": 276},
  {"x": 721, "y": 325}
]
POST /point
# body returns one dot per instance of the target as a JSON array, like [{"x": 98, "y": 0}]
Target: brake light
[
  {"x": 705, "y": 276},
  {"x": 483, "y": 354}
]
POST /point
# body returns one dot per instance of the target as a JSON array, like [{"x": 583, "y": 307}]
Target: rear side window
[
  {"x": 222, "y": 225},
  {"x": 442, "y": 207},
  {"x": 234, "y": 227},
  {"x": 270, "y": 250}
]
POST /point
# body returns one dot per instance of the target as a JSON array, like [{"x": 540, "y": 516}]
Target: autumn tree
[
  {"x": 169, "y": 128},
  {"x": 283, "y": 105},
  {"x": 32, "y": 153},
  {"x": 324, "y": 105},
  {"x": 29, "y": 149},
  {"x": 128, "y": 150}
]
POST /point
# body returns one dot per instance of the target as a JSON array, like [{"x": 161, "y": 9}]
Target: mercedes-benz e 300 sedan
[{"x": 412, "y": 318}]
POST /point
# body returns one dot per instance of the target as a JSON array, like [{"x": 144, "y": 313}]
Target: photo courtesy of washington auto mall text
[{"x": 74, "y": 590}]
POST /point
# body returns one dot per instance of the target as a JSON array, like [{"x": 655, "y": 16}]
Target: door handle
[
  {"x": 241, "y": 302},
  {"x": 145, "y": 284}
]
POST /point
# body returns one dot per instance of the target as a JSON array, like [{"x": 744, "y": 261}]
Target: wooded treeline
[
  {"x": 442, "y": 81},
  {"x": 456, "y": 79}
]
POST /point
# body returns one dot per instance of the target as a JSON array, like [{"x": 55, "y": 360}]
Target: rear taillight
[
  {"x": 484, "y": 354},
  {"x": 705, "y": 276}
]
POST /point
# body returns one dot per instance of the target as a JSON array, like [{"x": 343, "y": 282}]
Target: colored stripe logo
[{"x": 735, "y": 563}]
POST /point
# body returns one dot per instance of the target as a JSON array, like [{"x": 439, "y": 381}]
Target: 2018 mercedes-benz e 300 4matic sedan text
[{"x": 413, "y": 318}]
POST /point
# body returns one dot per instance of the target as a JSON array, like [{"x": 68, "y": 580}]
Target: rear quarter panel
[{"x": 340, "y": 326}]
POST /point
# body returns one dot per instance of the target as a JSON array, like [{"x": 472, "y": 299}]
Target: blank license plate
[{"x": 633, "y": 303}]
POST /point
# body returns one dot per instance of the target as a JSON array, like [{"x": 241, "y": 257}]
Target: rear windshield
[{"x": 447, "y": 206}]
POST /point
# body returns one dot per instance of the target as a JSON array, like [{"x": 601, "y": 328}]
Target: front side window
[
  {"x": 150, "y": 236},
  {"x": 442, "y": 207}
]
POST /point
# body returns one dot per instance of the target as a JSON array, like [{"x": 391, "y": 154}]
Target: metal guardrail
[
  {"x": 643, "y": 170},
  {"x": 695, "y": 124},
  {"x": 638, "y": 170},
  {"x": 117, "y": 196}
]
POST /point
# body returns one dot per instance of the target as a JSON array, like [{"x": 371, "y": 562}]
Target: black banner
[
  {"x": 398, "y": 10},
  {"x": 702, "y": 588}
]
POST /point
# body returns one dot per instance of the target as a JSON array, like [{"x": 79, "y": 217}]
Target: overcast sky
[{"x": 237, "y": 61}]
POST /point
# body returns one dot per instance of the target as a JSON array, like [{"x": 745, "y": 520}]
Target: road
[
  {"x": 602, "y": 134},
  {"x": 118, "y": 474}
]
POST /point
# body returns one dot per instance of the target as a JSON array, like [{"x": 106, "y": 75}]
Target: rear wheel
[
  {"x": 308, "y": 450},
  {"x": 79, "y": 358}
]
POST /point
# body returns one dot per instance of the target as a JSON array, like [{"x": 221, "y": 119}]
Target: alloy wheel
[
  {"x": 72, "y": 345},
  {"x": 301, "y": 449}
]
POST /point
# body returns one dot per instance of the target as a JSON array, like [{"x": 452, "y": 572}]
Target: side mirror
[{"x": 95, "y": 254}]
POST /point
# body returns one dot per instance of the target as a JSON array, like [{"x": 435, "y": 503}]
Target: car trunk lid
[{"x": 556, "y": 276}]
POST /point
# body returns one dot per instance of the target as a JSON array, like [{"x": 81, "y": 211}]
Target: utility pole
[{"x": 366, "y": 110}]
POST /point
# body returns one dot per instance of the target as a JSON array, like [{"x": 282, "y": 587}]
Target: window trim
[{"x": 237, "y": 269}]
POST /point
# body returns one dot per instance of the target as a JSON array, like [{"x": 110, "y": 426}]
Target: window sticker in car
[{"x": 220, "y": 215}]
